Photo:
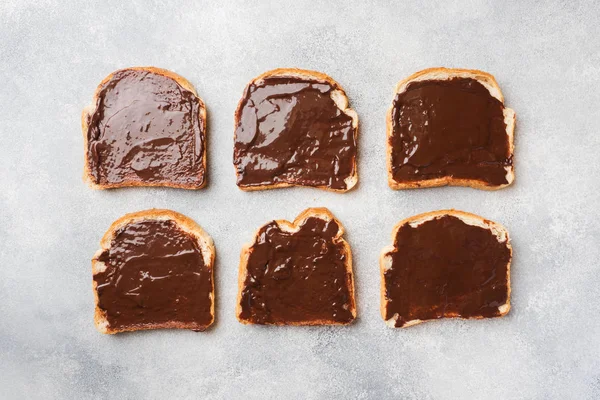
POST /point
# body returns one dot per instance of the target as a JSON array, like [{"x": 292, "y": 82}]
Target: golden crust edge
[
  {"x": 185, "y": 223},
  {"x": 488, "y": 81},
  {"x": 89, "y": 110},
  {"x": 318, "y": 212},
  {"x": 463, "y": 216},
  {"x": 351, "y": 180}
]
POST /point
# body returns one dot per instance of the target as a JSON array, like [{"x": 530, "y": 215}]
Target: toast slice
[
  {"x": 146, "y": 126},
  {"x": 450, "y": 127},
  {"x": 294, "y": 127},
  {"x": 445, "y": 264},
  {"x": 154, "y": 270},
  {"x": 297, "y": 273}
]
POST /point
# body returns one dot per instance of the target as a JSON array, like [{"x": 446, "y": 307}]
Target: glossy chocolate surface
[
  {"x": 297, "y": 278},
  {"x": 146, "y": 129},
  {"x": 155, "y": 273},
  {"x": 446, "y": 268},
  {"x": 289, "y": 130},
  {"x": 449, "y": 128}
]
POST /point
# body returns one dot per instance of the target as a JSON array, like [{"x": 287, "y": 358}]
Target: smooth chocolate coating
[
  {"x": 146, "y": 128},
  {"x": 446, "y": 268},
  {"x": 155, "y": 273},
  {"x": 289, "y": 130},
  {"x": 449, "y": 128},
  {"x": 297, "y": 278}
]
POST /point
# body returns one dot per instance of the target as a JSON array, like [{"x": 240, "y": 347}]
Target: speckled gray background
[{"x": 546, "y": 57}]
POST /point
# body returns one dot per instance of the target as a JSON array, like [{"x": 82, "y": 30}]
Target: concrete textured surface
[{"x": 546, "y": 57}]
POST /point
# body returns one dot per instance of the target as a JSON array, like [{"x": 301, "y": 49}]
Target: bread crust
[
  {"x": 205, "y": 243},
  {"x": 89, "y": 110},
  {"x": 339, "y": 97},
  {"x": 324, "y": 214},
  {"x": 471, "y": 219},
  {"x": 441, "y": 73}
]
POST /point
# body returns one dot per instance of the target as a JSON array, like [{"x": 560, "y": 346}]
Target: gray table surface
[{"x": 546, "y": 57}]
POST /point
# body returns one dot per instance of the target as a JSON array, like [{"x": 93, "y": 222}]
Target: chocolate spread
[
  {"x": 290, "y": 131},
  {"x": 446, "y": 268},
  {"x": 146, "y": 128},
  {"x": 297, "y": 278},
  {"x": 449, "y": 128},
  {"x": 155, "y": 273}
]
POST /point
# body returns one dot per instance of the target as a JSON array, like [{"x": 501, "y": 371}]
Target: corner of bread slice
[
  {"x": 292, "y": 227},
  {"x": 351, "y": 180},
  {"x": 339, "y": 97},
  {"x": 186, "y": 224},
  {"x": 90, "y": 109},
  {"x": 385, "y": 261},
  {"x": 489, "y": 82}
]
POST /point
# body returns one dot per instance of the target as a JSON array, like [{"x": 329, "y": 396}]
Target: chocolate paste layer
[
  {"x": 289, "y": 130},
  {"x": 146, "y": 129},
  {"x": 155, "y": 273},
  {"x": 297, "y": 277},
  {"x": 446, "y": 268},
  {"x": 449, "y": 128}
]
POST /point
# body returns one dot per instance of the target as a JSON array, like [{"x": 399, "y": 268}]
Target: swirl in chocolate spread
[
  {"x": 451, "y": 128},
  {"x": 146, "y": 128},
  {"x": 299, "y": 277},
  {"x": 155, "y": 273},
  {"x": 445, "y": 268},
  {"x": 290, "y": 131}
]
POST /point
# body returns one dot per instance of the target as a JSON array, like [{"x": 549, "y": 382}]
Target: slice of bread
[
  {"x": 195, "y": 182},
  {"x": 445, "y": 74},
  {"x": 303, "y": 300},
  {"x": 386, "y": 263},
  {"x": 203, "y": 243},
  {"x": 339, "y": 98}
]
